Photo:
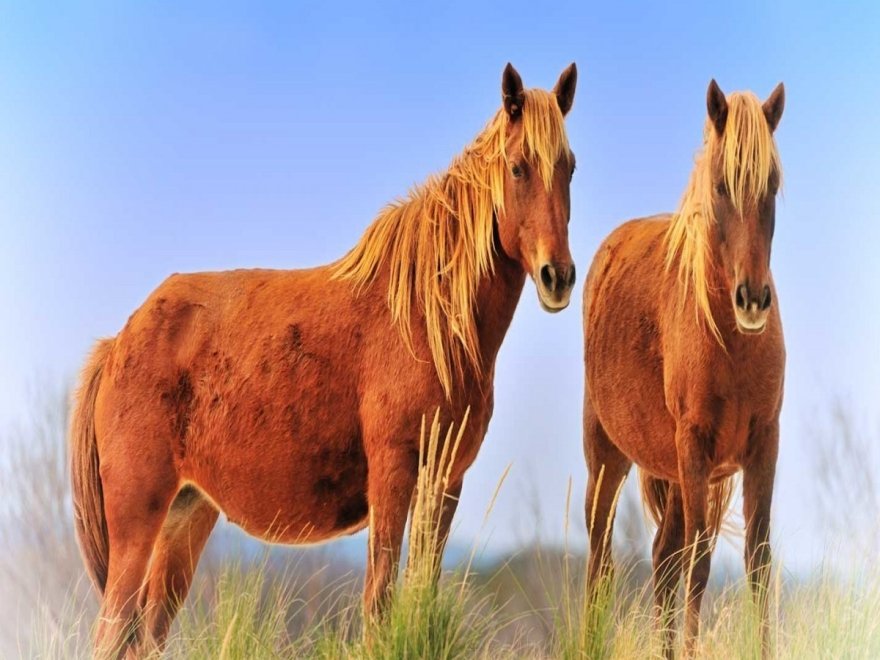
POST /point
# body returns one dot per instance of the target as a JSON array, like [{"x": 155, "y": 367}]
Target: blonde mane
[
  {"x": 746, "y": 153},
  {"x": 438, "y": 242}
]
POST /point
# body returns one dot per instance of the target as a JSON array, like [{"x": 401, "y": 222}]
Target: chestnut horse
[
  {"x": 292, "y": 400},
  {"x": 685, "y": 357}
]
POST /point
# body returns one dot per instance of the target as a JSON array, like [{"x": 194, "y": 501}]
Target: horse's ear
[
  {"x": 716, "y": 104},
  {"x": 565, "y": 86},
  {"x": 774, "y": 105},
  {"x": 512, "y": 91}
]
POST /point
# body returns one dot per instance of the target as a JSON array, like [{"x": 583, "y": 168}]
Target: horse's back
[
  {"x": 633, "y": 248},
  {"x": 245, "y": 321}
]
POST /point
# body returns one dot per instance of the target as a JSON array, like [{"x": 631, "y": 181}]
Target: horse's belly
[
  {"x": 627, "y": 397},
  {"x": 647, "y": 438},
  {"x": 312, "y": 511},
  {"x": 295, "y": 525},
  {"x": 639, "y": 424},
  {"x": 286, "y": 490}
]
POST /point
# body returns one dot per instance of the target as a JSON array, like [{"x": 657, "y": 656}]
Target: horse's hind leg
[
  {"x": 139, "y": 483},
  {"x": 175, "y": 557},
  {"x": 607, "y": 467},
  {"x": 667, "y": 559}
]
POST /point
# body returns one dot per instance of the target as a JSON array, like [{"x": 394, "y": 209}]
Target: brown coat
[{"x": 292, "y": 400}]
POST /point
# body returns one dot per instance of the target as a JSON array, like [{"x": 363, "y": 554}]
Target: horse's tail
[
  {"x": 655, "y": 493},
  {"x": 88, "y": 492}
]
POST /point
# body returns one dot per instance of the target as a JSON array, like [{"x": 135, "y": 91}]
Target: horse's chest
[
  {"x": 731, "y": 437},
  {"x": 740, "y": 401}
]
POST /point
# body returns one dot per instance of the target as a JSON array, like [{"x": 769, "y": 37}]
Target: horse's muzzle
[
  {"x": 752, "y": 308},
  {"x": 555, "y": 282}
]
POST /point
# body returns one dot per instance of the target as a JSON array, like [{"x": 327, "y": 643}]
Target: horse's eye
[
  {"x": 721, "y": 189},
  {"x": 571, "y": 176},
  {"x": 517, "y": 171}
]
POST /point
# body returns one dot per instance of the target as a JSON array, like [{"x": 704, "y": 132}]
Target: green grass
[
  {"x": 462, "y": 615},
  {"x": 246, "y": 616},
  {"x": 532, "y": 605},
  {"x": 430, "y": 618}
]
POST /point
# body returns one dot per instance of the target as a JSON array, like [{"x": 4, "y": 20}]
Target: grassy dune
[{"x": 301, "y": 603}]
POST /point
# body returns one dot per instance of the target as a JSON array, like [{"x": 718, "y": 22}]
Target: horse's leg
[
  {"x": 445, "y": 512},
  {"x": 138, "y": 490},
  {"x": 667, "y": 562},
  {"x": 391, "y": 480},
  {"x": 693, "y": 467},
  {"x": 608, "y": 468},
  {"x": 175, "y": 557},
  {"x": 449, "y": 505},
  {"x": 758, "y": 477}
]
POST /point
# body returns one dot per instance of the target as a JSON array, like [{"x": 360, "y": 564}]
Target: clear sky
[{"x": 138, "y": 141}]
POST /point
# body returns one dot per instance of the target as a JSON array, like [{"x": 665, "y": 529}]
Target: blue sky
[{"x": 140, "y": 140}]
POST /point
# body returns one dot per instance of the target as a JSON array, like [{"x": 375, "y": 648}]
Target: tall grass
[
  {"x": 429, "y": 618},
  {"x": 819, "y": 618},
  {"x": 246, "y": 617},
  {"x": 532, "y": 604},
  {"x": 45, "y": 598}
]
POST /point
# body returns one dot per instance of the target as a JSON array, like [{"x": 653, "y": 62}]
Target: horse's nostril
[
  {"x": 766, "y": 298},
  {"x": 548, "y": 276},
  {"x": 571, "y": 275},
  {"x": 742, "y": 295}
]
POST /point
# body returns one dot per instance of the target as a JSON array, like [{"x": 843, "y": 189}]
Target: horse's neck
[{"x": 496, "y": 301}]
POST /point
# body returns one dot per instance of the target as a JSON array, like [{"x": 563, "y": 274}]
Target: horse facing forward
[
  {"x": 685, "y": 357},
  {"x": 292, "y": 400}
]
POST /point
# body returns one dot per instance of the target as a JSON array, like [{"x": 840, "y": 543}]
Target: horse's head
[
  {"x": 537, "y": 170},
  {"x": 745, "y": 177}
]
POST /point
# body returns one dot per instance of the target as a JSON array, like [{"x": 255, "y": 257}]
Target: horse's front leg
[
  {"x": 758, "y": 476},
  {"x": 693, "y": 442},
  {"x": 447, "y": 513},
  {"x": 441, "y": 513},
  {"x": 391, "y": 481},
  {"x": 667, "y": 563}
]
